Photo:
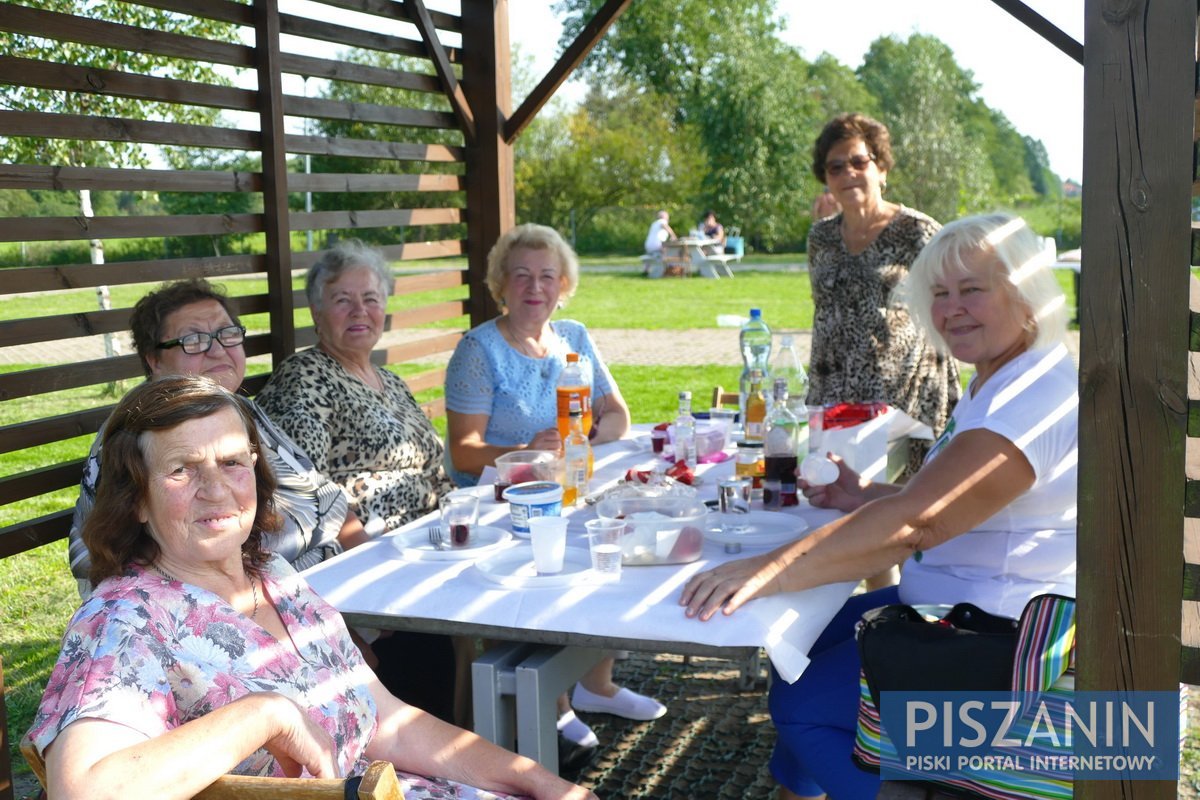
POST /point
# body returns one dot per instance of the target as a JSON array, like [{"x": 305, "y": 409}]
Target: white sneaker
[
  {"x": 576, "y": 730},
  {"x": 624, "y": 703}
]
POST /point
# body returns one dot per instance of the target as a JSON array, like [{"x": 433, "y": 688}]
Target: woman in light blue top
[
  {"x": 500, "y": 397},
  {"x": 500, "y": 385}
]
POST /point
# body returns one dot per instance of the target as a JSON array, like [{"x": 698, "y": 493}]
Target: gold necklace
[{"x": 253, "y": 588}]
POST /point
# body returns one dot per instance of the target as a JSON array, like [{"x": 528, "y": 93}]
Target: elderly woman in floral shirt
[{"x": 199, "y": 653}]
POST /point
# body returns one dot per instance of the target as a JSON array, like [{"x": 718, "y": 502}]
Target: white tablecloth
[{"x": 378, "y": 579}]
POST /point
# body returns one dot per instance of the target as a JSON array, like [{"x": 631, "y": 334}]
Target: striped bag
[{"x": 1043, "y": 661}]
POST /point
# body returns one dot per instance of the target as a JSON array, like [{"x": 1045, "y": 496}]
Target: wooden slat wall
[{"x": 268, "y": 119}]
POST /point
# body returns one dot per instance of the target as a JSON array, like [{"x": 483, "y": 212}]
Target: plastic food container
[
  {"x": 523, "y": 466},
  {"x": 532, "y": 499},
  {"x": 710, "y": 437},
  {"x": 662, "y": 530}
]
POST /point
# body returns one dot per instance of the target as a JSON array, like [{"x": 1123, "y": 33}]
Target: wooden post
[
  {"x": 1139, "y": 83},
  {"x": 274, "y": 166},
  {"x": 487, "y": 81}
]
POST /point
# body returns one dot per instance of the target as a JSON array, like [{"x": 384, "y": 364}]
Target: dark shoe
[{"x": 572, "y": 757}]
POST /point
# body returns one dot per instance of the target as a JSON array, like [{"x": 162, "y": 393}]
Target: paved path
[
  {"x": 639, "y": 347},
  {"x": 634, "y": 346}
]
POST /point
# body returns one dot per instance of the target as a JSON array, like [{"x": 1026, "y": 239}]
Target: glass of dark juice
[{"x": 460, "y": 510}]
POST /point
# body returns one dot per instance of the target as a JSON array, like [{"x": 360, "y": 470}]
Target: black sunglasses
[
  {"x": 859, "y": 163},
  {"x": 196, "y": 343}
]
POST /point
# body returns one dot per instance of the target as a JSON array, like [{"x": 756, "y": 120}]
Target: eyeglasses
[
  {"x": 196, "y": 343},
  {"x": 859, "y": 163}
]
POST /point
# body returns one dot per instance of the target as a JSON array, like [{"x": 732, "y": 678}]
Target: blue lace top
[{"x": 486, "y": 375}]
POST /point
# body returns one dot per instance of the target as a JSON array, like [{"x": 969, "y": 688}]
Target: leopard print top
[
  {"x": 382, "y": 450},
  {"x": 864, "y": 346}
]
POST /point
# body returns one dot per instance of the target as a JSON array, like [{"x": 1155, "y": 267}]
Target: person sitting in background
[
  {"x": 500, "y": 397},
  {"x": 365, "y": 431},
  {"x": 989, "y": 519},
  {"x": 200, "y": 653},
  {"x": 660, "y": 231},
  {"x": 190, "y": 328},
  {"x": 711, "y": 229}
]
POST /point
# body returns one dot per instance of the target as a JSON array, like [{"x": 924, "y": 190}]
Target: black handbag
[{"x": 968, "y": 650}]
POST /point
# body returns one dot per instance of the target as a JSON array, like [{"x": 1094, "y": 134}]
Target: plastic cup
[
  {"x": 549, "y": 538},
  {"x": 459, "y": 514},
  {"x": 658, "y": 440},
  {"x": 733, "y": 497},
  {"x": 604, "y": 544}
]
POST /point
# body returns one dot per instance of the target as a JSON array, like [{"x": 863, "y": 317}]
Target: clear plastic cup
[
  {"x": 549, "y": 538},
  {"x": 604, "y": 544},
  {"x": 460, "y": 511}
]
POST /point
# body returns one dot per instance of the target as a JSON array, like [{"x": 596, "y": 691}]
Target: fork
[{"x": 435, "y": 536}]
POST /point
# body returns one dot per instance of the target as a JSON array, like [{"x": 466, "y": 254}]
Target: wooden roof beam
[
  {"x": 567, "y": 62},
  {"x": 1043, "y": 27},
  {"x": 441, "y": 63}
]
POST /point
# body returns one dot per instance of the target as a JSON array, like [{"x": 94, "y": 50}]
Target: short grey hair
[
  {"x": 346, "y": 254},
  {"x": 1025, "y": 270},
  {"x": 531, "y": 237}
]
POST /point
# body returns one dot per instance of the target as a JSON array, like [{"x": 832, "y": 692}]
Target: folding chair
[{"x": 378, "y": 783}]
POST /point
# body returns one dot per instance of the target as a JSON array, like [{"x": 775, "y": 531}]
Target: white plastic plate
[
  {"x": 415, "y": 544},
  {"x": 764, "y": 529},
  {"x": 514, "y": 569}
]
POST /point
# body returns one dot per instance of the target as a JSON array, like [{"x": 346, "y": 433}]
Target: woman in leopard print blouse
[
  {"x": 865, "y": 348},
  {"x": 360, "y": 423}
]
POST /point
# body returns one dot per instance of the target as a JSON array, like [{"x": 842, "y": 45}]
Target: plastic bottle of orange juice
[{"x": 571, "y": 384}]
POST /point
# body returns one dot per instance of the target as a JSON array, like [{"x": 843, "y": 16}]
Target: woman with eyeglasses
[
  {"x": 190, "y": 328},
  {"x": 865, "y": 348}
]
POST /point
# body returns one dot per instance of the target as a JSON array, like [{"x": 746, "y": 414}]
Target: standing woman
[{"x": 865, "y": 347}]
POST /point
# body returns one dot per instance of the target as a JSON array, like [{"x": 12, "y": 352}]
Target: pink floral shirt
[{"x": 154, "y": 654}]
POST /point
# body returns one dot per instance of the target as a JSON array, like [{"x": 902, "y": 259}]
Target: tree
[
  {"x": 673, "y": 46},
  {"x": 924, "y": 97},
  {"x": 621, "y": 147}
]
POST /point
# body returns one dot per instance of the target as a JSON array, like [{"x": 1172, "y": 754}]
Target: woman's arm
[
  {"x": 470, "y": 453},
  {"x": 419, "y": 742},
  {"x": 976, "y": 475},
  {"x": 97, "y": 759},
  {"x": 610, "y": 415}
]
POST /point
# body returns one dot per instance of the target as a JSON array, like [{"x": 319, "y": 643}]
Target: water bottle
[
  {"x": 577, "y": 453},
  {"x": 787, "y": 365},
  {"x": 755, "y": 341},
  {"x": 685, "y": 432}
]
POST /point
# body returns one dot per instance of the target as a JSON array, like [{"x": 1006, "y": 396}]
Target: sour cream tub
[{"x": 532, "y": 499}]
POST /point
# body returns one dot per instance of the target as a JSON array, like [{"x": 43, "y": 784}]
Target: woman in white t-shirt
[{"x": 989, "y": 519}]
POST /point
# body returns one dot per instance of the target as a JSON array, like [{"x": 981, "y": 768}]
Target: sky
[{"x": 1035, "y": 85}]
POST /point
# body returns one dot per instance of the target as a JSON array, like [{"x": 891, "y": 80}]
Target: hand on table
[
  {"x": 844, "y": 494},
  {"x": 728, "y": 586},
  {"x": 546, "y": 440}
]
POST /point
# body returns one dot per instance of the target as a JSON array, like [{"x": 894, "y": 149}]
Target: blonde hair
[
  {"x": 1024, "y": 269},
  {"x": 530, "y": 237}
]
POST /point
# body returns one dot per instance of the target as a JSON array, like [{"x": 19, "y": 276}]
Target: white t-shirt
[
  {"x": 657, "y": 235},
  {"x": 1028, "y": 547}
]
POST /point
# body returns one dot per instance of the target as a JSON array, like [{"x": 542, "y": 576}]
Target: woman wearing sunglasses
[{"x": 865, "y": 348}]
